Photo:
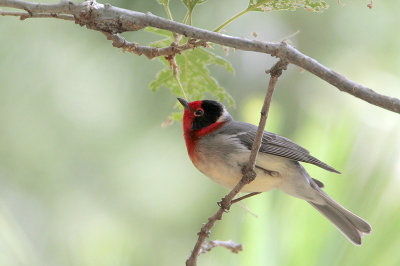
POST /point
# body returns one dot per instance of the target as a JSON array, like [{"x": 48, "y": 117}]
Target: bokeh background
[{"x": 89, "y": 177}]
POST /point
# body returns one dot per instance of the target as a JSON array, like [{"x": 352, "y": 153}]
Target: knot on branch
[
  {"x": 101, "y": 17},
  {"x": 225, "y": 204},
  {"x": 277, "y": 69},
  {"x": 204, "y": 231},
  {"x": 28, "y": 15}
]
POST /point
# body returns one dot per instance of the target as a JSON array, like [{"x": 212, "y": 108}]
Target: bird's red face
[{"x": 201, "y": 118}]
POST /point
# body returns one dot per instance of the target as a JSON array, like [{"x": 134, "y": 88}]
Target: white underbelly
[{"x": 229, "y": 174}]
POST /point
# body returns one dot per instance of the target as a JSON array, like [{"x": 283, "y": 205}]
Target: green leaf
[
  {"x": 162, "y": 78},
  {"x": 190, "y": 4},
  {"x": 218, "y": 60},
  {"x": 195, "y": 77},
  {"x": 273, "y": 5}
]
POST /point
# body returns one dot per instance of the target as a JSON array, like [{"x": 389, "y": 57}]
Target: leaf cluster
[
  {"x": 194, "y": 74},
  {"x": 191, "y": 77}
]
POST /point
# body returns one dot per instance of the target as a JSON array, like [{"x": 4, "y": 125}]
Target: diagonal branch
[
  {"x": 106, "y": 18},
  {"x": 248, "y": 171}
]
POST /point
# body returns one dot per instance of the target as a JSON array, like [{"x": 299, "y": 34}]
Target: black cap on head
[{"x": 212, "y": 111}]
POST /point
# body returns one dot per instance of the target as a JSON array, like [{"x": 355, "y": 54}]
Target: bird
[{"x": 220, "y": 147}]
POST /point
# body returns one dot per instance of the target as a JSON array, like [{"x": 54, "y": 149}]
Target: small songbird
[{"x": 219, "y": 147}]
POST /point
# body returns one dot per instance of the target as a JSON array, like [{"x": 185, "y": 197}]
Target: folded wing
[{"x": 273, "y": 144}]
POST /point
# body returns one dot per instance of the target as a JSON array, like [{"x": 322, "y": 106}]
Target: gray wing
[{"x": 273, "y": 144}]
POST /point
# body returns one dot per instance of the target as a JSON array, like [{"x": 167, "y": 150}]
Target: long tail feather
[{"x": 352, "y": 226}]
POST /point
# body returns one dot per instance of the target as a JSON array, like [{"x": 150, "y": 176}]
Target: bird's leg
[
  {"x": 226, "y": 208},
  {"x": 245, "y": 197}
]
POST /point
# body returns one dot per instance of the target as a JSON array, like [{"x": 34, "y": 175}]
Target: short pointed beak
[{"x": 184, "y": 103}]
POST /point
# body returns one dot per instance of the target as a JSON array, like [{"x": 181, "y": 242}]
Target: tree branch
[
  {"x": 106, "y": 18},
  {"x": 151, "y": 52},
  {"x": 25, "y": 15},
  {"x": 248, "y": 171}
]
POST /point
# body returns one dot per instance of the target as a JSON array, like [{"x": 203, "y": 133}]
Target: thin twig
[
  {"x": 151, "y": 52},
  {"x": 106, "y": 18},
  {"x": 229, "y": 244},
  {"x": 248, "y": 171}
]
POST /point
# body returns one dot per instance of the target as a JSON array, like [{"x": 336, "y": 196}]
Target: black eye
[{"x": 199, "y": 112}]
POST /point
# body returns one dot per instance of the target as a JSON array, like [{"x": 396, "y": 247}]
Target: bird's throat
[{"x": 192, "y": 137}]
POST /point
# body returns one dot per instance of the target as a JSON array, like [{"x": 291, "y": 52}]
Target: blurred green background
[{"x": 89, "y": 177}]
